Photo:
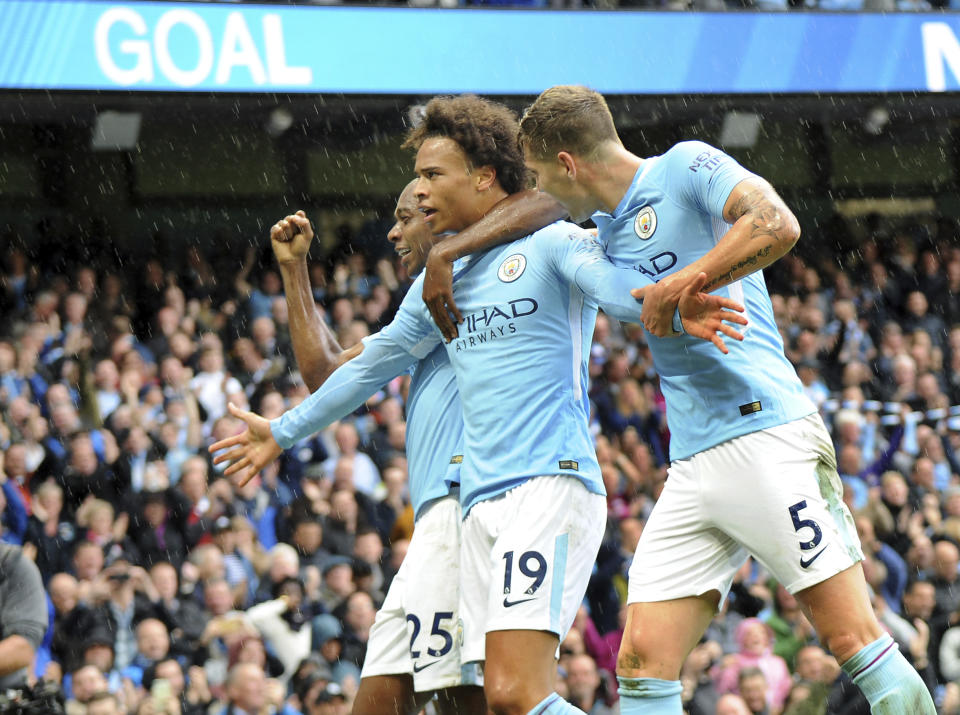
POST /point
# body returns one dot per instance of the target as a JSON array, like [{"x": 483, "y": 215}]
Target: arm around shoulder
[{"x": 514, "y": 217}]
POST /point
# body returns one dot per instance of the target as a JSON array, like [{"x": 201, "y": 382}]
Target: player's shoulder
[
  {"x": 559, "y": 241},
  {"x": 559, "y": 231},
  {"x": 690, "y": 151}
]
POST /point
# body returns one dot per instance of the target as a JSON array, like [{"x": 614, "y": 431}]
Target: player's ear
[
  {"x": 484, "y": 177},
  {"x": 567, "y": 164}
]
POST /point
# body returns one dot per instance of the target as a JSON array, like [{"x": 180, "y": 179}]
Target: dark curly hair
[{"x": 484, "y": 130}]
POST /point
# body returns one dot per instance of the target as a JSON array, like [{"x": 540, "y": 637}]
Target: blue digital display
[{"x": 153, "y": 46}]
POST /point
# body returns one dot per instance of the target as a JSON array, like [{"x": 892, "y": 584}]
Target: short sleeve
[{"x": 699, "y": 175}]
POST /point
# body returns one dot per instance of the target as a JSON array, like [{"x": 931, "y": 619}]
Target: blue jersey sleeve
[
  {"x": 580, "y": 259},
  {"x": 701, "y": 176},
  {"x": 344, "y": 391},
  {"x": 409, "y": 338},
  {"x": 412, "y": 327}
]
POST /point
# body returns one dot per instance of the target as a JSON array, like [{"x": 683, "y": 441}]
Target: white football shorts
[
  {"x": 527, "y": 556},
  {"x": 774, "y": 494},
  {"x": 415, "y": 631}
]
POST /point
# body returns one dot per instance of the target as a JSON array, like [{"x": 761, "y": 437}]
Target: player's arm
[
  {"x": 514, "y": 217},
  {"x": 408, "y": 338},
  {"x": 348, "y": 387},
  {"x": 620, "y": 292},
  {"x": 316, "y": 348},
  {"x": 763, "y": 230}
]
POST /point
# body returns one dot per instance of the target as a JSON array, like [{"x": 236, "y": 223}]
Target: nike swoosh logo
[
  {"x": 417, "y": 667},
  {"x": 805, "y": 563},
  {"x": 507, "y": 603}
]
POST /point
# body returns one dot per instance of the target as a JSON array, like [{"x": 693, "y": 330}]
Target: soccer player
[
  {"x": 752, "y": 466},
  {"x": 400, "y": 674},
  {"x": 530, "y": 485}
]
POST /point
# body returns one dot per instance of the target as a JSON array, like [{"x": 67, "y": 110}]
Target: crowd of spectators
[{"x": 173, "y": 589}]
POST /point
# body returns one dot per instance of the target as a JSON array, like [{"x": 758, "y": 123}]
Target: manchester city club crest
[
  {"x": 646, "y": 222},
  {"x": 512, "y": 268}
]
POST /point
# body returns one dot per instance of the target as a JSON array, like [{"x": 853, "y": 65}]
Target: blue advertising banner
[{"x": 165, "y": 46}]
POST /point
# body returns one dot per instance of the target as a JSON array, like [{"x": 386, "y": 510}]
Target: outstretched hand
[
  {"x": 438, "y": 294},
  {"x": 290, "y": 238},
  {"x": 251, "y": 450}
]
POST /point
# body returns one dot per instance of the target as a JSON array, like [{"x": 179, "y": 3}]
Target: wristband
[{"x": 678, "y": 323}]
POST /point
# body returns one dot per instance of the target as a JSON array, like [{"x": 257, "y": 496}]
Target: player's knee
[
  {"x": 506, "y": 695},
  {"x": 631, "y": 664},
  {"x": 641, "y": 657},
  {"x": 845, "y": 642}
]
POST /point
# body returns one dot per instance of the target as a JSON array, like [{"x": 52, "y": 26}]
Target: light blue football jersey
[
  {"x": 529, "y": 309},
  {"x": 434, "y": 419},
  {"x": 671, "y": 215}
]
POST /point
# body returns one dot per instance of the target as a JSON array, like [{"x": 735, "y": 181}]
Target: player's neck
[
  {"x": 611, "y": 176},
  {"x": 486, "y": 200}
]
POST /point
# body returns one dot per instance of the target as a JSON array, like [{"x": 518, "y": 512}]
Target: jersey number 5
[{"x": 799, "y": 523}]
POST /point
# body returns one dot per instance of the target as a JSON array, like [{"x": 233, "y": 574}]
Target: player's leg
[
  {"x": 412, "y": 650},
  {"x": 462, "y": 700},
  {"x": 682, "y": 569},
  {"x": 840, "y": 611},
  {"x": 529, "y": 554},
  {"x": 520, "y": 669},
  {"x": 386, "y": 683},
  {"x": 657, "y": 639},
  {"x": 659, "y": 636},
  {"x": 801, "y": 530},
  {"x": 388, "y": 695},
  {"x": 431, "y": 602}
]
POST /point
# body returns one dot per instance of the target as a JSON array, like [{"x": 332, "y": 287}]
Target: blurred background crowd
[{"x": 114, "y": 378}]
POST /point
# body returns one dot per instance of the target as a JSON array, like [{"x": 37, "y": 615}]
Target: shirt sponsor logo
[
  {"x": 645, "y": 223},
  {"x": 707, "y": 160},
  {"x": 512, "y": 268},
  {"x": 494, "y": 322},
  {"x": 660, "y": 263}
]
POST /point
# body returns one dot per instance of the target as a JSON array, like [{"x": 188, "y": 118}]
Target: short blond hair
[{"x": 567, "y": 118}]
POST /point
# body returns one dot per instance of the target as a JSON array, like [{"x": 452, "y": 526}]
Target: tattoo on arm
[
  {"x": 765, "y": 216},
  {"x": 728, "y": 276}
]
